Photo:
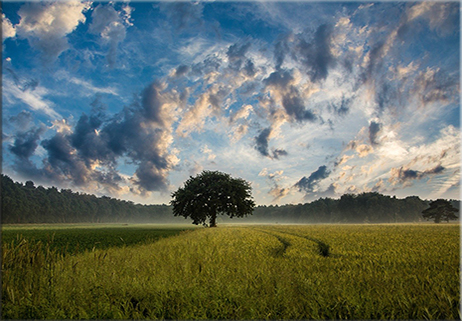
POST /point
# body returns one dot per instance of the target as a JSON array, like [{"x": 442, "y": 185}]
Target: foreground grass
[
  {"x": 77, "y": 238},
  {"x": 258, "y": 272}
]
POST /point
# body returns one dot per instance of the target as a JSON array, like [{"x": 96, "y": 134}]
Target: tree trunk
[{"x": 213, "y": 221}]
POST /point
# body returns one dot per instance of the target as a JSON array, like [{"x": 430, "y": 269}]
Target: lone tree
[
  {"x": 211, "y": 193},
  {"x": 440, "y": 210}
]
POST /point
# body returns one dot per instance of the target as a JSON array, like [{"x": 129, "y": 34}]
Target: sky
[{"x": 302, "y": 99}]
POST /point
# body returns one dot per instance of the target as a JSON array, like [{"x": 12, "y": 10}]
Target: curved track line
[{"x": 323, "y": 248}]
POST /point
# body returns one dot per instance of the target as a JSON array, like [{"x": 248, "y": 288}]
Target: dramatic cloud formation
[
  {"x": 89, "y": 151},
  {"x": 129, "y": 99},
  {"x": 25, "y": 143}
]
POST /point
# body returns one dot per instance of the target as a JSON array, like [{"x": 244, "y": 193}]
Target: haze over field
[{"x": 304, "y": 100}]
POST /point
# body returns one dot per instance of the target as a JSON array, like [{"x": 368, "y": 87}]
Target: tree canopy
[
  {"x": 31, "y": 203},
  {"x": 440, "y": 210},
  {"x": 211, "y": 193}
]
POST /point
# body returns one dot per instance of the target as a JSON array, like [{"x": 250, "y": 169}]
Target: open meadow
[{"x": 388, "y": 271}]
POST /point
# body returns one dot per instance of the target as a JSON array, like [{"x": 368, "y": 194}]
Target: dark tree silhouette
[
  {"x": 211, "y": 193},
  {"x": 440, "y": 210}
]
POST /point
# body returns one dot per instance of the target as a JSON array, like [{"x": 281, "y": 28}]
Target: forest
[{"x": 27, "y": 203}]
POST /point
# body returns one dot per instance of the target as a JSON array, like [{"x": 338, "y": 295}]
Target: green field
[
  {"x": 389, "y": 271},
  {"x": 76, "y": 238}
]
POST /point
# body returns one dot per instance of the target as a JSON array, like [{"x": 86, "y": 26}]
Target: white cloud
[
  {"x": 89, "y": 86},
  {"x": 46, "y": 25},
  {"x": 8, "y": 31},
  {"x": 34, "y": 99},
  {"x": 90, "y": 89},
  {"x": 111, "y": 26}
]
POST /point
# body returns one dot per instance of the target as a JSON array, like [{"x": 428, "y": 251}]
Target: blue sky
[{"x": 302, "y": 99}]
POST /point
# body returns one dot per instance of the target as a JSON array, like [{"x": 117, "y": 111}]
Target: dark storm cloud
[
  {"x": 181, "y": 70},
  {"x": 316, "y": 55},
  {"x": 236, "y": 55},
  {"x": 262, "y": 141},
  {"x": 436, "y": 170},
  {"x": 59, "y": 149},
  {"x": 308, "y": 184},
  {"x": 295, "y": 107},
  {"x": 110, "y": 179},
  {"x": 25, "y": 143},
  {"x": 374, "y": 129},
  {"x": 63, "y": 161},
  {"x": 138, "y": 132},
  {"x": 149, "y": 177},
  {"x": 152, "y": 103},
  {"x": 90, "y": 144},
  {"x": 292, "y": 101},
  {"x": 279, "y": 152},
  {"x": 127, "y": 135},
  {"x": 405, "y": 175},
  {"x": 279, "y": 79}
]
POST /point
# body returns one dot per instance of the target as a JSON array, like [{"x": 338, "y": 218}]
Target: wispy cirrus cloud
[{"x": 34, "y": 99}]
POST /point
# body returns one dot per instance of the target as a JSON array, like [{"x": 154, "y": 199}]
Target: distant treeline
[
  {"x": 26, "y": 203},
  {"x": 350, "y": 208}
]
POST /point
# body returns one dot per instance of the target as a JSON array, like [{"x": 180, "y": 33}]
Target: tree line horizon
[{"x": 27, "y": 203}]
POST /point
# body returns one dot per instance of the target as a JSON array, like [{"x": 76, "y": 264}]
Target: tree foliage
[
  {"x": 29, "y": 203},
  {"x": 440, "y": 210},
  {"x": 26, "y": 203},
  {"x": 211, "y": 193}
]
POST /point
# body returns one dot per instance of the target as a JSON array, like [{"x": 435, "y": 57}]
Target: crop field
[
  {"x": 389, "y": 271},
  {"x": 76, "y": 238}
]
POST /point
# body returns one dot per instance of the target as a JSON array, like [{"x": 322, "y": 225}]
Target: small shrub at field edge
[
  {"x": 324, "y": 249},
  {"x": 366, "y": 272}
]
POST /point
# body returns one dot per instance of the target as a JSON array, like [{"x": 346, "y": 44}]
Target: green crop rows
[
  {"x": 250, "y": 272},
  {"x": 76, "y": 238}
]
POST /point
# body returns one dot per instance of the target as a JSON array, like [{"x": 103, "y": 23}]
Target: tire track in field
[
  {"x": 285, "y": 243},
  {"x": 323, "y": 248}
]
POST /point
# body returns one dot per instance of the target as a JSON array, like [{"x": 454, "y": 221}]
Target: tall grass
[
  {"x": 266, "y": 272},
  {"x": 76, "y": 238}
]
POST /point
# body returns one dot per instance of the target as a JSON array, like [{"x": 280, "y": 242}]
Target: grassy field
[
  {"x": 406, "y": 271},
  {"x": 76, "y": 238}
]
